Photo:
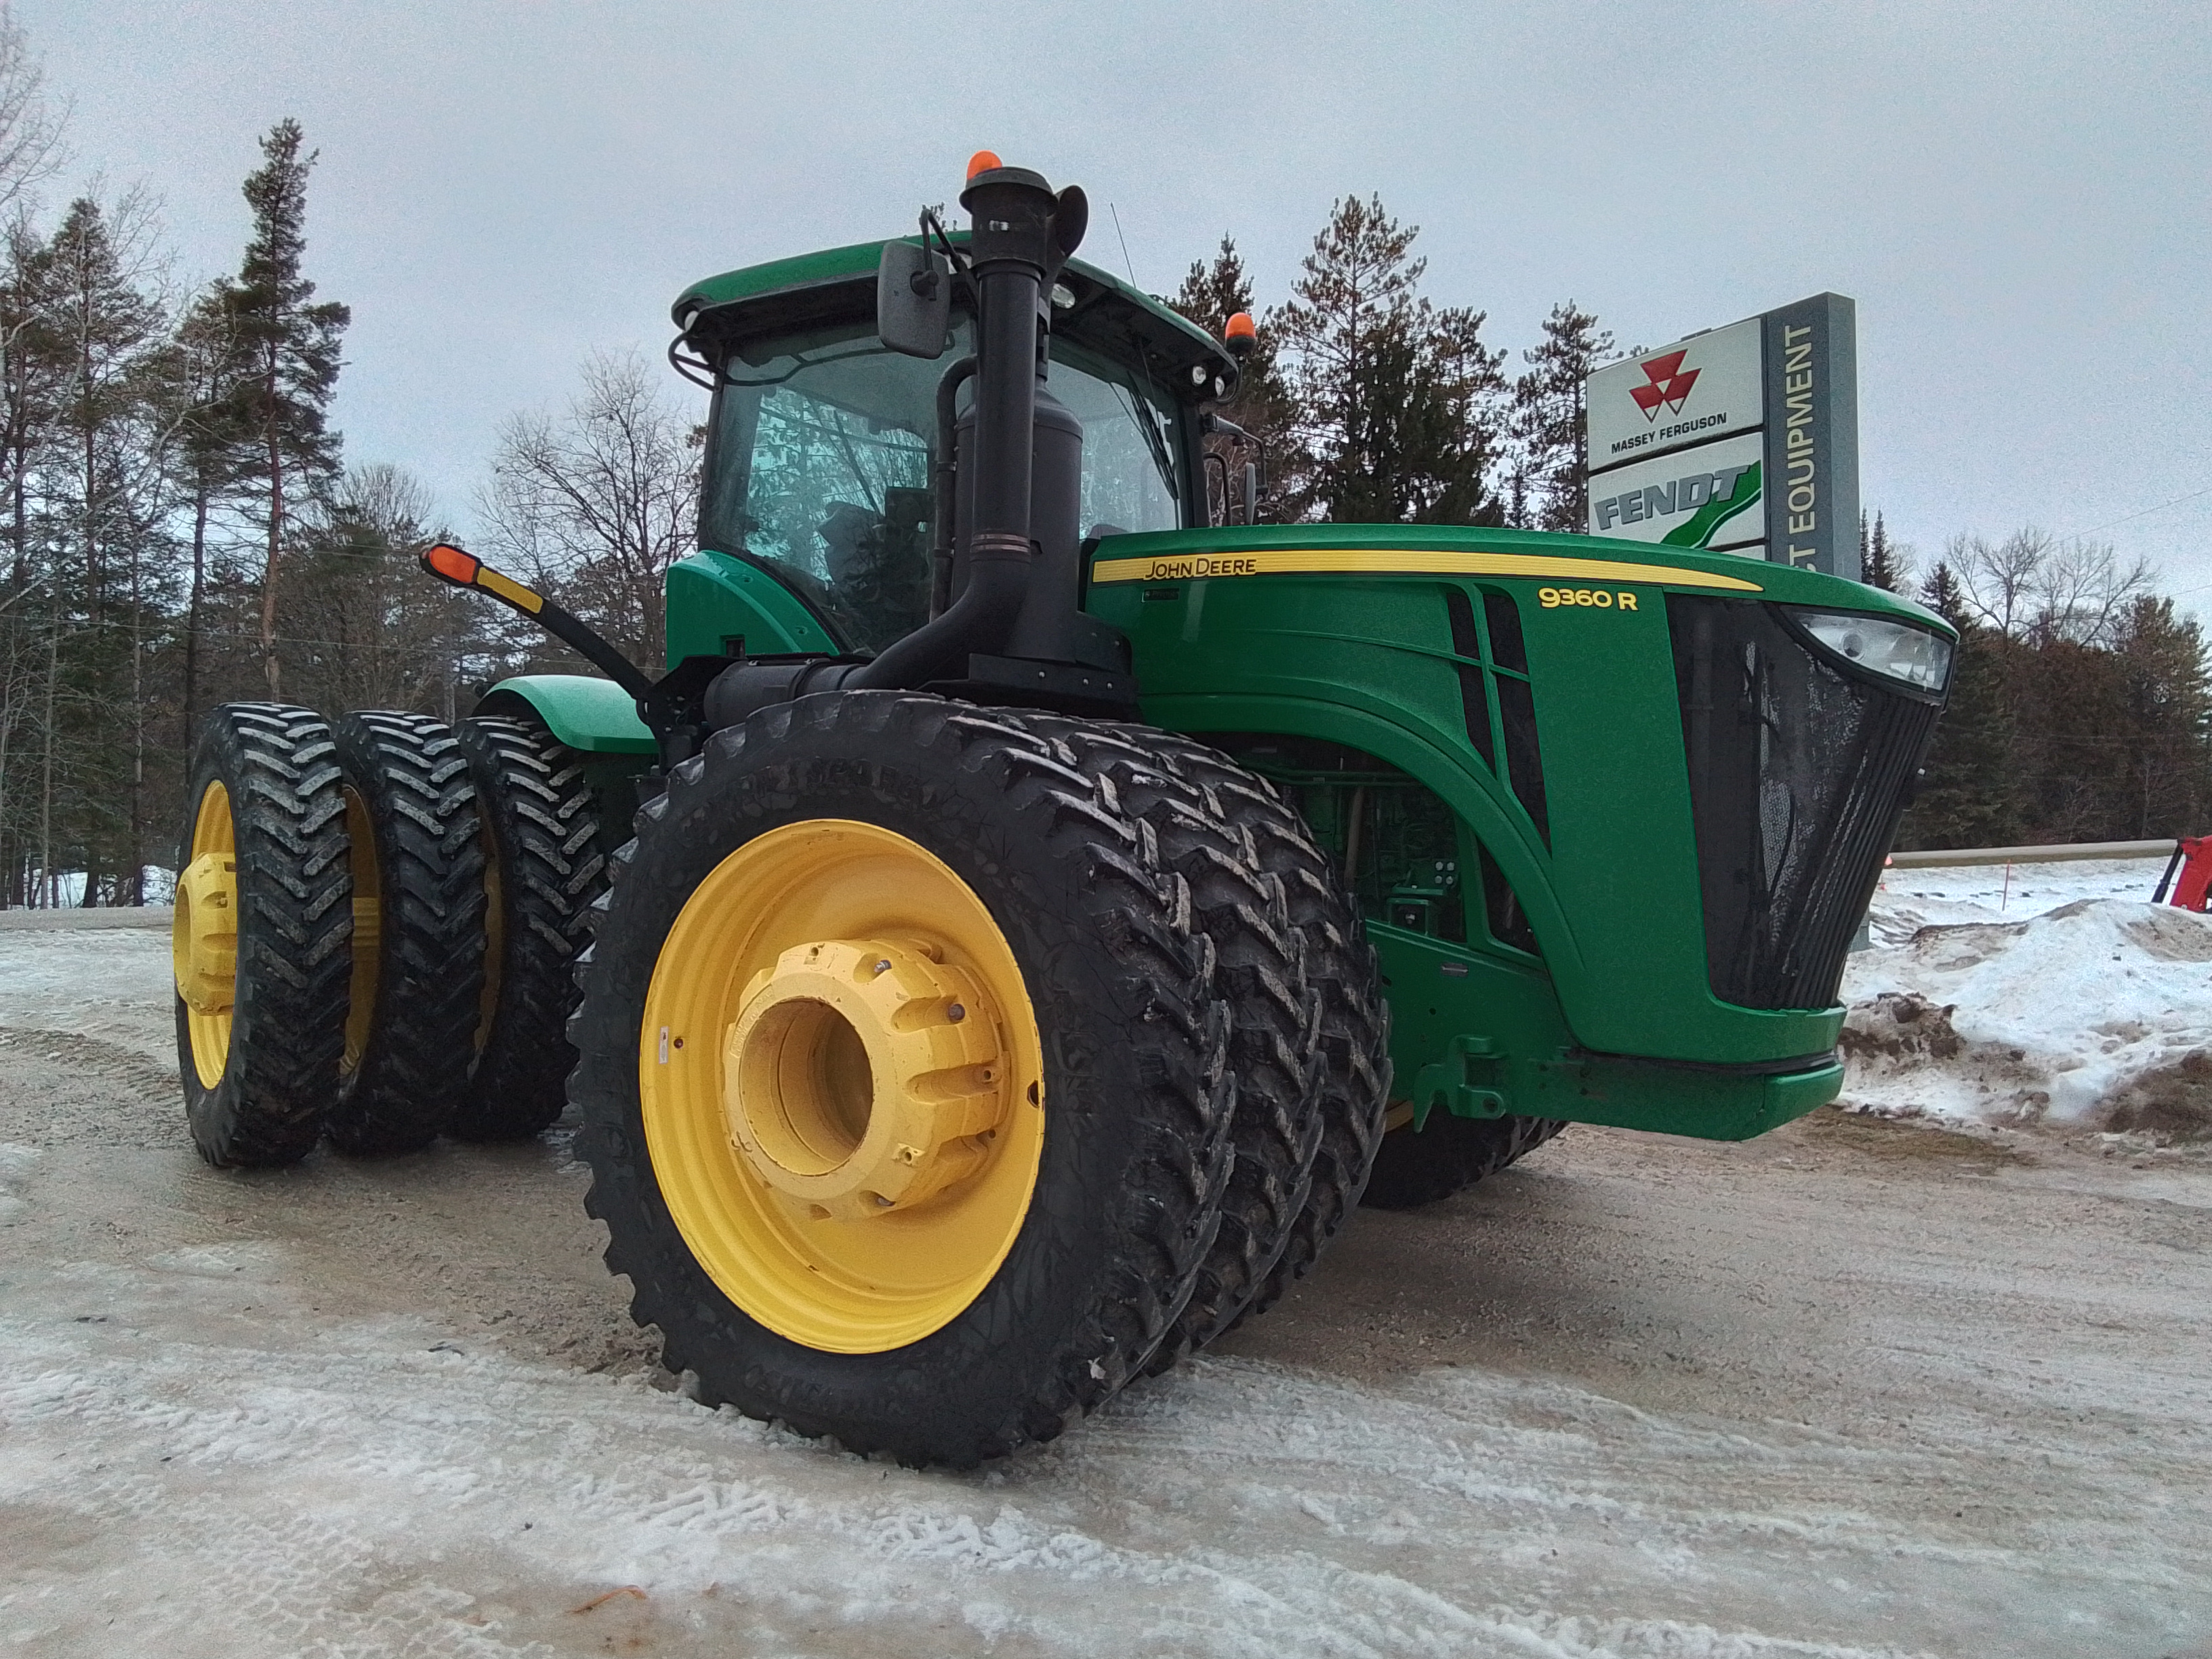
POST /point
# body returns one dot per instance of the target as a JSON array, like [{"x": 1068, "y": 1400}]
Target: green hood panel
[{"x": 1339, "y": 633}]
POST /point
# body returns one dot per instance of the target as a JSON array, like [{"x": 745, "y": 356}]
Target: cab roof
[{"x": 1109, "y": 315}]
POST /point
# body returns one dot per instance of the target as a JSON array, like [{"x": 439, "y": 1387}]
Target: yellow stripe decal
[
  {"x": 1388, "y": 562},
  {"x": 508, "y": 589}
]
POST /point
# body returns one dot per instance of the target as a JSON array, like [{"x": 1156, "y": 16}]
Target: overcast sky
[{"x": 2016, "y": 194}]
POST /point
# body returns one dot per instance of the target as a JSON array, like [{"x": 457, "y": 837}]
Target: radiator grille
[{"x": 1798, "y": 775}]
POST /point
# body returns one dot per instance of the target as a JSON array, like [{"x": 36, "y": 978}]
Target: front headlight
[{"x": 1895, "y": 651}]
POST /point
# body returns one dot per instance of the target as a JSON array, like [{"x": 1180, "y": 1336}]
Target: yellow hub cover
[
  {"x": 861, "y": 1076},
  {"x": 203, "y": 934},
  {"x": 203, "y": 938},
  {"x": 842, "y": 1083}
]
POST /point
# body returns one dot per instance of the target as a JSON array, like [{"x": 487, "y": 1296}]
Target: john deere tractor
[{"x": 1049, "y": 904}]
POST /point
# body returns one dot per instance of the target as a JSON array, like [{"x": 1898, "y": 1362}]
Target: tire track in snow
[{"x": 365, "y": 1500}]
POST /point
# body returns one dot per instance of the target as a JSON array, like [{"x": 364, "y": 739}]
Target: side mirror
[
  {"x": 914, "y": 300},
  {"x": 1219, "y": 509}
]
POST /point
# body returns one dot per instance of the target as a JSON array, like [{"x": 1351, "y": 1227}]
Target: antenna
[{"x": 1128, "y": 263}]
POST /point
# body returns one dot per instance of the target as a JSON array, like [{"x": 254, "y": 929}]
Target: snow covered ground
[
  {"x": 2051, "y": 995},
  {"x": 1859, "y": 1387}
]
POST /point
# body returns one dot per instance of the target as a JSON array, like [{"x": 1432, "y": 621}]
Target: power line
[{"x": 2146, "y": 512}]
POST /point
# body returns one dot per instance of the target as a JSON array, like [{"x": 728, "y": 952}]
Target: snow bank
[{"x": 2046, "y": 993}]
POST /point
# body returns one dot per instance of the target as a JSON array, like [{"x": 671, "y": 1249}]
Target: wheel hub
[
  {"x": 863, "y": 1077},
  {"x": 204, "y": 938}
]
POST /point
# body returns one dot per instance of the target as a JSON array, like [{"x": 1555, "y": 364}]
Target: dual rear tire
[{"x": 944, "y": 1068}]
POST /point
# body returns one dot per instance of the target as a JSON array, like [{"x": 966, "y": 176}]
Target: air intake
[{"x": 1798, "y": 775}]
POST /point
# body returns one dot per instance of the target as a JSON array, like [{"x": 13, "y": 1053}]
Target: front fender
[{"x": 591, "y": 716}]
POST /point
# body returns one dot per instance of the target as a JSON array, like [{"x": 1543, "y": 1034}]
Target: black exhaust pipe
[
  {"x": 1001, "y": 572},
  {"x": 1021, "y": 235}
]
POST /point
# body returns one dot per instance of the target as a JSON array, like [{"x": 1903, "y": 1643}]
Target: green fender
[{"x": 591, "y": 716}]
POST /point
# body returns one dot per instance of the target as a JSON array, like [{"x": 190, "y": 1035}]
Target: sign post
[{"x": 1738, "y": 440}]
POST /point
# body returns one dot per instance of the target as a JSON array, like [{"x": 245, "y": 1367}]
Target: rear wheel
[
  {"x": 543, "y": 871},
  {"x": 904, "y": 1088},
  {"x": 260, "y": 941},
  {"x": 1449, "y": 1154},
  {"x": 418, "y": 931}
]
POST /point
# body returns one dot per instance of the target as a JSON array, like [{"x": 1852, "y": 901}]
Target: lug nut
[
  {"x": 955, "y": 1013},
  {"x": 883, "y": 965}
]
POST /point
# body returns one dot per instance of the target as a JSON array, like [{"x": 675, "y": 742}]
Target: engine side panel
[{"x": 1585, "y": 816}]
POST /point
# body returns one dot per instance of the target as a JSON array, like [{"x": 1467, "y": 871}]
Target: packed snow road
[{"x": 1859, "y": 1387}]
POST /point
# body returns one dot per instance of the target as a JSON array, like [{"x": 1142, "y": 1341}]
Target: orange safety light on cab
[
  {"x": 983, "y": 160},
  {"x": 1240, "y": 335}
]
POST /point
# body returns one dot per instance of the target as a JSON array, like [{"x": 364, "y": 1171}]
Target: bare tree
[
  {"x": 30, "y": 129},
  {"x": 1997, "y": 580},
  {"x": 2088, "y": 595},
  {"x": 2034, "y": 585},
  {"x": 367, "y": 628},
  {"x": 597, "y": 502}
]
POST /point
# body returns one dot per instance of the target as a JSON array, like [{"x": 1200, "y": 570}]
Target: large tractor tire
[
  {"x": 260, "y": 939},
  {"x": 903, "y": 1080},
  {"x": 417, "y": 980},
  {"x": 1205, "y": 833},
  {"x": 1449, "y": 1154},
  {"x": 543, "y": 871},
  {"x": 1352, "y": 1019}
]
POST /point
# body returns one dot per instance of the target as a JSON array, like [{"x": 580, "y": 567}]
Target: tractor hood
[{"x": 1575, "y": 566}]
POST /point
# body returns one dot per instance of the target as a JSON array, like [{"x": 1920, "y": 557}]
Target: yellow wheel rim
[
  {"x": 203, "y": 936},
  {"x": 368, "y": 930},
  {"x": 842, "y": 1085}
]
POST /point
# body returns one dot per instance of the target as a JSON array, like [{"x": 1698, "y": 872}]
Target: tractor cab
[{"x": 823, "y": 443}]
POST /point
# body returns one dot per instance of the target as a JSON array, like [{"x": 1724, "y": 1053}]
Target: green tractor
[{"x": 1048, "y": 911}]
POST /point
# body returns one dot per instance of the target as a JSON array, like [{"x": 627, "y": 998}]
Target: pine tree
[
  {"x": 1942, "y": 594},
  {"x": 2168, "y": 685},
  {"x": 28, "y": 392},
  {"x": 1552, "y": 464},
  {"x": 1878, "y": 563},
  {"x": 106, "y": 500},
  {"x": 1397, "y": 400},
  {"x": 214, "y": 455},
  {"x": 287, "y": 362},
  {"x": 368, "y": 631}
]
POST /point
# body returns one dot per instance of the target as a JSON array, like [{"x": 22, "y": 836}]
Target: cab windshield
[{"x": 820, "y": 459}]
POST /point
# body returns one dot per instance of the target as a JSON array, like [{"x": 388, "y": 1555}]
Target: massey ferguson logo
[{"x": 1666, "y": 384}]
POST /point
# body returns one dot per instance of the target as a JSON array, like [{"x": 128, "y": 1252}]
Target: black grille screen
[{"x": 1798, "y": 775}]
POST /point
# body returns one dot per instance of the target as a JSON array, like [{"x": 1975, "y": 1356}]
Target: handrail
[{"x": 2065, "y": 853}]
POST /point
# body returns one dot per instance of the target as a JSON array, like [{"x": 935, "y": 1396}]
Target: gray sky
[{"x": 2017, "y": 195}]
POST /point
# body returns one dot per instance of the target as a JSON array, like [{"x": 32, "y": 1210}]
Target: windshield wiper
[{"x": 1146, "y": 421}]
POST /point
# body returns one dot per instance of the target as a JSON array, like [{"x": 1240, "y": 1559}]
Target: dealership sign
[{"x": 1740, "y": 440}]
